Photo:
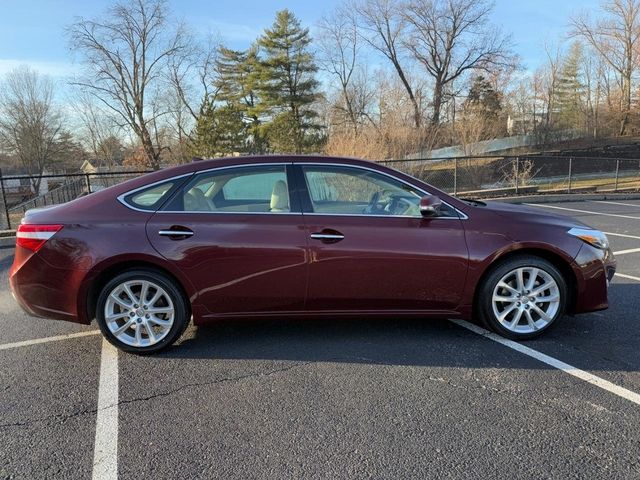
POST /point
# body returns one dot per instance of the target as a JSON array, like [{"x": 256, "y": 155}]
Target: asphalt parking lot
[{"x": 333, "y": 399}]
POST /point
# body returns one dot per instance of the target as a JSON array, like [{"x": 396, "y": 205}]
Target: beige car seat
[
  {"x": 200, "y": 203},
  {"x": 279, "y": 197}
]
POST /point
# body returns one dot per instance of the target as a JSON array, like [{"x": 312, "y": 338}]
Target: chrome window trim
[
  {"x": 462, "y": 215},
  {"x": 315, "y": 214},
  {"x": 121, "y": 199},
  {"x": 229, "y": 213}
]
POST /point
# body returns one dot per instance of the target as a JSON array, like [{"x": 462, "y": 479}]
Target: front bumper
[{"x": 594, "y": 269}]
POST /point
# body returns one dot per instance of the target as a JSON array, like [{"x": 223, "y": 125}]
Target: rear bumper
[
  {"x": 43, "y": 290},
  {"x": 594, "y": 270}
]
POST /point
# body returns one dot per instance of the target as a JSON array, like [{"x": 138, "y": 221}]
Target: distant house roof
[{"x": 87, "y": 167}]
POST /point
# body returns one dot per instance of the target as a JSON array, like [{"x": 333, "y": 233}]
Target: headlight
[{"x": 594, "y": 238}]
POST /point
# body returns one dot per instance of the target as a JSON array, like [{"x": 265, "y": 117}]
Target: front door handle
[
  {"x": 176, "y": 232},
  {"x": 327, "y": 236}
]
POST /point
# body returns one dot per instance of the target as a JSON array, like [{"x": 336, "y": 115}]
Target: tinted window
[
  {"x": 236, "y": 190},
  {"x": 255, "y": 186},
  {"x": 150, "y": 198},
  {"x": 355, "y": 191}
]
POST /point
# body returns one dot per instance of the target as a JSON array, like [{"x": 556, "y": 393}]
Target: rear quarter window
[{"x": 150, "y": 198}]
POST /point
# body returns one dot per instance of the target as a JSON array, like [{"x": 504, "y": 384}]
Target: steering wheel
[
  {"x": 373, "y": 207},
  {"x": 400, "y": 205}
]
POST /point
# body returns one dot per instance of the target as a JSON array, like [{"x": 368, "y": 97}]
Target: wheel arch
[
  {"x": 102, "y": 274},
  {"x": 557, "y": 260}
]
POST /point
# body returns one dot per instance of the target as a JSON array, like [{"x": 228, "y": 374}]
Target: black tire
[
  {"x": 180, "y": 304},
  {"x": 484, "y": 303}
]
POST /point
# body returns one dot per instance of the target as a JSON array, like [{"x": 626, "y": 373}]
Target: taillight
[{"x": 33, "y": 237}]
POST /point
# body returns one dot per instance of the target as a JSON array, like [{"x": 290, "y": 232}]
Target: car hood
[{"x": 523, "y": 213}]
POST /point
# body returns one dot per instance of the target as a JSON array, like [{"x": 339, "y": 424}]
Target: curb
[
  {"x": 7, "y": 242},
  {"x": 566, "y": 197}
]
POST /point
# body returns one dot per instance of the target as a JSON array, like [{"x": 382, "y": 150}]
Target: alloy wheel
[
  {"x": 526, "y": 300},
  {"x": 139, "y": 313}
]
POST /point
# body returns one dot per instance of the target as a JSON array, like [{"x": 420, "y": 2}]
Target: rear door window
[{"x": 251, "y": 189}]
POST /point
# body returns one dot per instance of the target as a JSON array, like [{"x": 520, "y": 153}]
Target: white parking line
[
  {"x": 637, "y": 205},
  {"x": 629, "y": 277},
  {"x": 553, "y": 362},
  {"x": 582, "y": 211},
  {"x": 57, "y": 338},
  {"x": 630, "y": 250},
  {"x": 622, "y": 235},
  {"x": 105, "y": 453}
]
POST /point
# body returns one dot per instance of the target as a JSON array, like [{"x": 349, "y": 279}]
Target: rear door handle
[
  {"x": 327, "y": 236},
  {"x": 176, "y": 232}
]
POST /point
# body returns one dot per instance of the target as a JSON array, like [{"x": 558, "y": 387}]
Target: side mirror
[{"x": 430, "y": 205}]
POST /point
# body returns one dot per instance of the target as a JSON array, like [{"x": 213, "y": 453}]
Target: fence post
[
  {"x": 570, "y": 173},
  {"x": 517, "y": 174},
  {"x": 4, "y": 201},
  {"x": 455, "y": 176},
  {"x": 88, "y": 182},
  {"x": 615, "y": 189}
]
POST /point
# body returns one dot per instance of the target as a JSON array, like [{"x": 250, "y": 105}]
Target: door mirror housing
[{"x": 430, "y": 206}]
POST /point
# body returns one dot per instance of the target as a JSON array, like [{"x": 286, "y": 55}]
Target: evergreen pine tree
[
  {"x": 286, "y": 85},
  {"x": 236, "y": 87},
  {"x": 483, "y": 99},
  {"x": 220, "y": 130},
  {"x": 570, "y": 90}
]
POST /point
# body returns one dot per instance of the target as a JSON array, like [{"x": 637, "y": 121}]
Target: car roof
[
  {"x": 206, "y": 164},
  {"x": 202, "y": 164}
]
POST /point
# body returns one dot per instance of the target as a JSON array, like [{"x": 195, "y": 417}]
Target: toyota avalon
[{"x": 303, "y": 237}]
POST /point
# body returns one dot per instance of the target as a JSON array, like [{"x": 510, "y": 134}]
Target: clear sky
[{"x": 32, "y": 31}]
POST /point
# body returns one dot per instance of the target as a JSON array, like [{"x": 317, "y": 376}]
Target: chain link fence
[
  {"x": 479, "y": 176},
  {"x": 495, "y": 176}
]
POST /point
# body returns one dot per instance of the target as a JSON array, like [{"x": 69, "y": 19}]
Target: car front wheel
[
  {"x": 522, "y": 297},
  {"x": 141, "y": 311}
]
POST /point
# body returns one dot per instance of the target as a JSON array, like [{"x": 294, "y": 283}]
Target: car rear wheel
[
  {"x": 522, "y": 297},
  {"x": 141, "y": 311}
]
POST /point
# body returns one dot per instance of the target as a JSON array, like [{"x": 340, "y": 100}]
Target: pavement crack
[
  {"x": 217, "y": 381},
  {"x": 64, "y": 418},
  {"x": 58, "y": 418}
]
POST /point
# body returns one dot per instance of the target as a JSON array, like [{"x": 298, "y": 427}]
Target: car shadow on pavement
[
  {"x": 374, "y": 341},
  {"x": 606, "y": 340}
]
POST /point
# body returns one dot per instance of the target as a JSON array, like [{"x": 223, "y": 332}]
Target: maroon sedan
[{"x": 300, "y": 237}]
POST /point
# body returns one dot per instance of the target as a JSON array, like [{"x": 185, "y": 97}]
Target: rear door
[
  {"x": 238, "y": 234},
  {"x": 371, "y": 250}
]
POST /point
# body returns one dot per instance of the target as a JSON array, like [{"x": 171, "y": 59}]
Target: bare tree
[
  {"x": 383, "y": 27},
  {"x": 338, "y": 46},
  {"x": 30, "y": 123},
  {"x": 616, "y": 37},
  {"x": 192, "y": 78},
  {"x": 126, "y": 55},
  {"x": 452, "y": 37},
  {"x": 101, "y": 134},
  {"x": 593, "y": 72},
  {"x": 550, "y": 76}
]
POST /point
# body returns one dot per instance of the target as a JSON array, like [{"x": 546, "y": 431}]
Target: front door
[
  {"x": 371, "y": 250},
  {"x": 238, "y": 234}
]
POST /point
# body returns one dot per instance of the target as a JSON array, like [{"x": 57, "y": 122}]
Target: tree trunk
[
  {"x": 417, "y": 118},
  {"x": 437, "y": 103},
  {"x": 627, "y": 103},
  {"x": 153, "y": 156}
]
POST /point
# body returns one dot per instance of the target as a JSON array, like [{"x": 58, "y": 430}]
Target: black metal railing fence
[
  {"x": 477, "y": 176},
  {"x": 17, "y": 192}
]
